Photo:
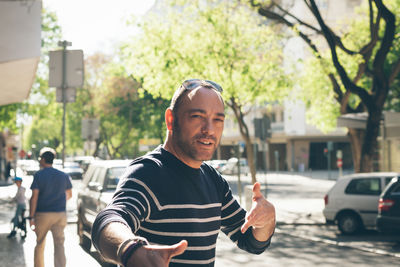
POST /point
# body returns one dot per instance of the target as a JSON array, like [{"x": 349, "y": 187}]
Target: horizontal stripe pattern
[{"x": 166, "y": 201}]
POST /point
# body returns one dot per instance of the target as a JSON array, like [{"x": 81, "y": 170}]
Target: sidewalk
[{"x": 298, "y": 197}]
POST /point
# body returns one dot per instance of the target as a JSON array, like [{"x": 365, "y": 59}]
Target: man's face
[{"x": 198, "y": 127}]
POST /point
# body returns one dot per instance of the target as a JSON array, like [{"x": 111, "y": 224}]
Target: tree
[
  {"x": 8, "y": 117},
  {"x": 126, "y": 113},
  {"x": 216, "y": 40},
  {"x": 365, "y": 64},
  {"x": 41, "y": 106}
]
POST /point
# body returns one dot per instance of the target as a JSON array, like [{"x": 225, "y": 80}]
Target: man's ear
[{"x": 169, "y": 119}]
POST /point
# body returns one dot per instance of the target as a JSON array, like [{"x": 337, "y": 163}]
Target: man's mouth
[{"x": 205, "y": 142}]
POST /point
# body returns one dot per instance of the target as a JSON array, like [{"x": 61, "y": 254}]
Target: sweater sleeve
[
  {"x": 232, "y": 219},
  {"x": 130, "y": 204}
]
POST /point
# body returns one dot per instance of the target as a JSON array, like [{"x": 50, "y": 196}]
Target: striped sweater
[{"x": 165, "y": 201}]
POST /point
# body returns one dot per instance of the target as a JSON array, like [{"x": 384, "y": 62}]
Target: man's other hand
[
  {"x": 153, "y": 255},
  {"x": 261, "y": 216}
]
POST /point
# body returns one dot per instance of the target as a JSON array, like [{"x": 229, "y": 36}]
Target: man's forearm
[
  {"x": 32, "y": 206},
  {"x": 68, "y": 194},
  {"x": 111, "y": 237}
]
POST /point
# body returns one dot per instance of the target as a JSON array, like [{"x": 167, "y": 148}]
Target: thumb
[
  {"x": 256, "y": 191},
  {"x": 178, "y": 248}
]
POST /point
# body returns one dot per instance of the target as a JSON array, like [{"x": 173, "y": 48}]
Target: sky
[{"x": 96, "y": 25}]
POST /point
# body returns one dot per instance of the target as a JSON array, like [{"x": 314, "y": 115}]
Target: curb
[{"x": 339, "y": 244}]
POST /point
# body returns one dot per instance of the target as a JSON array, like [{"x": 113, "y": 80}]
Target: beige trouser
[{"x": 54, "y": 222}]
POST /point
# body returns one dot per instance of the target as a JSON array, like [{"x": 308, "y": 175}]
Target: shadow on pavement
[{"x": 13, "y": 246}]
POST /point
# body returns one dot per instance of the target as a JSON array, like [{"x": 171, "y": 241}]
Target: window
[
  {"x": 388, "y": 180},
  {"x": 364, "y": 186},
  {"x": 112, "y": 177},
  {"x": 97, "y": 179},
  {"x": 396, "y": 189}
]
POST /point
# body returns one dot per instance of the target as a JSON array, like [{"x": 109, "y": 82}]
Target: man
[
  {"x": 51, "y": 189},
  {"x": 170, "y": 206}
]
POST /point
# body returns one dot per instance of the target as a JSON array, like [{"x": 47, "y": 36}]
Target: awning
[
  {"x": 353, "y": 120},
  {"x": 20, "y": 30},
  {"x": 391, "y": 122}
]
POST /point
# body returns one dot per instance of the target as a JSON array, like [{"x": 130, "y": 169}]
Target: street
[{"x": 301, "y": 237}]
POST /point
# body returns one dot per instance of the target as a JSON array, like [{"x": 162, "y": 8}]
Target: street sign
[
  {"x": 70, "y": 95},
  {"x": 330, "y": 146},
  {"x": 90, "y": 129},
  {"x": 73, "y": 72},
  {"x": 339, "y": 163},
  {"x": 339, "y": 154},
  {"x": 262, "y": 127}
]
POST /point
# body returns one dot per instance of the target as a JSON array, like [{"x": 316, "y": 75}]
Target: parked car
[
  {"x": 28, "y": 166},
  {"x": 388, "y": 219},
  {"x": 73, "y": 170},
  {"x": 232, "y": 168},
  {"x": 83, "y": 161},
  {"x": 218, "y": 164},
  {"x": 95, "y": 192},
  {"x": 352, "y": 202},
  {"x": 57, "y": 164}
]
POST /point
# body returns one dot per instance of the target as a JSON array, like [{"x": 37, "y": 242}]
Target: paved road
[
  {"x": 301, "y": 238},
  {"x": 288, "y": 250}
]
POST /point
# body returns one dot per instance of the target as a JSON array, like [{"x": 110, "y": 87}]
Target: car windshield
[
  {"x": 112, "y": 176},
  {"x": 68, "y": 164}
]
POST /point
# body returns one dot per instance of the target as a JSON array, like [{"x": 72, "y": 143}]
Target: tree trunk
[
  {"x": 356, "y": 137},
  {"x": 250, "y": 158},
  {"x": 370, "y": 143},
  {"x": 244, "y": 132}
]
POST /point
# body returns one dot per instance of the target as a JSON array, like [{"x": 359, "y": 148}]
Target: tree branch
[
  {"x": 380, "y": 83},
  {"x": 330, "y": 38},
  {"x": 301, "y": 22},
  {"x": 264, "y": 11},
  {"x": 338, "y": 41},
  {"x": 395, "y": 71}
]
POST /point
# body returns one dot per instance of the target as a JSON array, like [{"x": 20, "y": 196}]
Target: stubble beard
[{"x": 186, "y": 147}]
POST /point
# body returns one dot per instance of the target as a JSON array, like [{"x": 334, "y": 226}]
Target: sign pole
[{"x": 64, "y": 45}]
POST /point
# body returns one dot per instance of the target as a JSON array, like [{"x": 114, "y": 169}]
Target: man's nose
[{"x": 208, "y": 127}]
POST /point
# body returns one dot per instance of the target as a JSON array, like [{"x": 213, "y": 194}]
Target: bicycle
[{"x": 21, "y": 225}]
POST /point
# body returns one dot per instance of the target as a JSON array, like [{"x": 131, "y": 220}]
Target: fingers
[
  {"x": 251, "y": 216},
  {"x": 174, "y": 250},
  {"x": 178, "y": 249},
  {"x": 257, "y": 191},
  {"x": 245, "y": 226}
]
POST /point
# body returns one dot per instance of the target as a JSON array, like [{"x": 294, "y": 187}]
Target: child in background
[{"x": 21, "y": 205}]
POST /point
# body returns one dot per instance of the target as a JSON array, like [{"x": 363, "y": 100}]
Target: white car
[
  {"x": 231, "y": 166},
  {"x": 352, "y": 202}
]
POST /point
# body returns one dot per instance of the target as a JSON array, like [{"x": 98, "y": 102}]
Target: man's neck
[
  {"x": 47, "y": 165},
  {"x": 172, "y": 149}
]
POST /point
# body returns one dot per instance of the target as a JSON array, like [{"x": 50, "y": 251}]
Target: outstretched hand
[
  {"x": 153, "y": 255},
  {"x": 261, "y": 216}
]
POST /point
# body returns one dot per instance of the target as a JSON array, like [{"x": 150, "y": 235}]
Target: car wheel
[
  {"x": 84, "y": 241},
  {"x": 349, "y": 223}
]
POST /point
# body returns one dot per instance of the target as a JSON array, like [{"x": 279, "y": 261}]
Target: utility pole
[
  {"x": 64, "y": 45},
  {"x": 66, "y": 74}
]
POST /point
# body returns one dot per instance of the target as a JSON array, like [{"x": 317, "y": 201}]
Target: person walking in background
[
  {"x": 20, "y": 199},
  {"x": 170, "y": 205},
  {"x": 51, "y": 188}
]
